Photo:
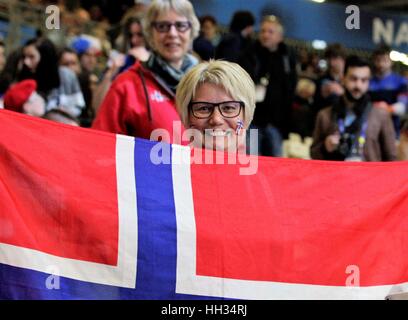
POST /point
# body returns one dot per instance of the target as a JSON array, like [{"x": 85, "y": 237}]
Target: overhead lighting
[
  {"x": 399, "y": 57},
  {"x": 318, "y": 1},
  {"x": 319, "y": 44}
]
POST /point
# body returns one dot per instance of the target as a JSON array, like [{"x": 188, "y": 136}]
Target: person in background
[
  {"x": 309, "y": 67},
  {"x": 239, "y": 37},
  {"x": 22, "y": 97},
  {"x": 209, "y": 29},
  {"x": 97, "y": 17},
  {"x": 217, "y": 99},
  {"x": 301, "y": 120},
  {"x": 132, "y": 42},
  {"x": 73, "y": 16},
  {"x": 388, "y": 90},
  {"x": 132, "y": 47},
  {"x": 69, "y": 58},
  {"x": 403, "y": 141},
  {"x": 61, "y": 117},
  {"x": 11, "y": 70},
  {"x": 2, "y": 55},
  {"x": 272, "y": 66},
  {"x": 58, "y": 85},
  {"x": 208, "y": 39},
  {"x": 141, "y": 99},
  {"x": 88, "y": 49},
  {"x": 353, "y": 129},
  {"x": 139, "y": 9},
  {"x": 405, "y": 73},
  {"x": 328, "y": 86}
]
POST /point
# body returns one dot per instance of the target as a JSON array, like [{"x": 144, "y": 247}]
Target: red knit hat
[{"x": 18, "y": 94}]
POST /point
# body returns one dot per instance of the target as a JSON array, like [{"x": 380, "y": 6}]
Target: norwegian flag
[{"x": 88, "y": 215}]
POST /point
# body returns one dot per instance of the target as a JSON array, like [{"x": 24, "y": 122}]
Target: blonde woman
[{"x": 217, "y": 99}]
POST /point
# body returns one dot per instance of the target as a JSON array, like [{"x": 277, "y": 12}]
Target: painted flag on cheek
[{"x": 89, "y": 215}]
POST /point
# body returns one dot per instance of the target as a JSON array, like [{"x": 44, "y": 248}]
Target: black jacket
[
  {"x": 280, "y": 69},
  {"x": 231, "y": 46},
  {"x": 320, "y": 102}
]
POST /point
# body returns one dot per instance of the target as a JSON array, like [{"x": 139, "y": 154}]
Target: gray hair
[{"x": 182, "y": 7}]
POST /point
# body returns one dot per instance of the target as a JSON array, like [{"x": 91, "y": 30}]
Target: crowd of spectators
[{"x": 86, "y": 77}]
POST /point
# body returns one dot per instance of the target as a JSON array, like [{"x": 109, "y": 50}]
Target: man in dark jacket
[
  {"x": 352, "y": 129},
  {"x": 388, "y": 90},
  {"x": 272, "y": 66},
  {"x": 328, "y": 86},
  {"x": 239, "y": 37}
]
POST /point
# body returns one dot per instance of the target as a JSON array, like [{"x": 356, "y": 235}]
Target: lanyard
[
  {"x": 341, "y": 126},
  {"x": 360, "y": 141},
  {"x": 362, "y": 138}
]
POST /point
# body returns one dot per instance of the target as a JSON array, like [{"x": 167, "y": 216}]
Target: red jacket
[{"x": 136, "y": 104}]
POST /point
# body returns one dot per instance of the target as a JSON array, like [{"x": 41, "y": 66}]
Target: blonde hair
[
  {"x": 157, "y": 7},
  {"x": 305, "y": 85},
  {"x": 230, "y": 76}
]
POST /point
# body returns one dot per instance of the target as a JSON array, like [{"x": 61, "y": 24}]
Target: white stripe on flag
[
  {"x": 127, "y": 202},
  {"x": 188, "y": 282},
  {"x": 122, "y": 275}
]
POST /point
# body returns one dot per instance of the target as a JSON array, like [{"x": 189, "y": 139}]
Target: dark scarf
[
  {"x": 170, "y": 76},
  {"x": 360, "y": 108},
  {"x": 340, "y": 109}
]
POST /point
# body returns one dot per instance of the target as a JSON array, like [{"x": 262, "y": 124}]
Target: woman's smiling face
[
  {"x": 218, "y": 132},
  {"x": 172, "y": 45}
]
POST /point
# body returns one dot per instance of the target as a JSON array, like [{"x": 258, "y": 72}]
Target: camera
[{"x": 345, "y": 145}]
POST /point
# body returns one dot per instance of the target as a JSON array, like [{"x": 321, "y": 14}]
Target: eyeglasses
[
  {"x": 164, "y": 26},
  {"x": 204, "y": 110}
]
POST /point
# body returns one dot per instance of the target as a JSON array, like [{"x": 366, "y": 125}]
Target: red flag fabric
[{"x": 118, "y": 225}]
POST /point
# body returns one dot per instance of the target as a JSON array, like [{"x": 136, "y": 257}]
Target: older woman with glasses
[
  {"x": 142, "y": 98},
  {"x": 217, "y": 100}
]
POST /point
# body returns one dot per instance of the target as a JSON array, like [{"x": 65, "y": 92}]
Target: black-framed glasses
[
  {"x": 204, "y": 110},
  {"x": 164, "y": 26}
]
